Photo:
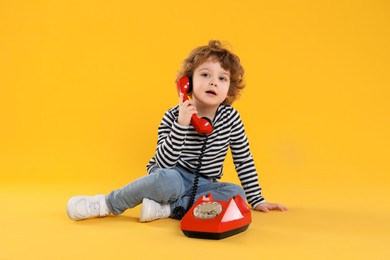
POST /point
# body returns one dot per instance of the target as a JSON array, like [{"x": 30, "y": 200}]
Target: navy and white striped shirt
[{"x": 181, "y": 146}]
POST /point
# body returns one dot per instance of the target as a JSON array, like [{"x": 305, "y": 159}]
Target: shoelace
[{"x": 94, "y": 207}]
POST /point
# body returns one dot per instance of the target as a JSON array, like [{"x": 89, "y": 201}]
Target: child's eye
[
  {"x": 205, "y": 75},
  {"x": 223, "y": 79}
]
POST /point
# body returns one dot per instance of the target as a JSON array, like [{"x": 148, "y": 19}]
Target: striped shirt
[{"x": 181, "y": 146}]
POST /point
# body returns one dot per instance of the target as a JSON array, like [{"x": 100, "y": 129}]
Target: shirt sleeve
[
  {"x": 244, "y": 163},
  {"x": 170, "y": 141}
]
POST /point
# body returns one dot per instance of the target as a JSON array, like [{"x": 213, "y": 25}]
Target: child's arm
[
  {"x": 243, "y": 161},
  {"x": 172, "y": 132},
  {"x": 246, "y": 169},
  {"x": 171, "y": 136}
]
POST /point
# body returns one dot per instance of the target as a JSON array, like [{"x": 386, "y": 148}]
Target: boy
[{"x": 187, "y": 165}]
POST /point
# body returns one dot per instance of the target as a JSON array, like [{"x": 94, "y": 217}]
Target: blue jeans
[{"x": 171, "y": 186}]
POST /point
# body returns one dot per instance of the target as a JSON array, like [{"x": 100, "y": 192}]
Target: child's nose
[{"x": 212, "y": 83}]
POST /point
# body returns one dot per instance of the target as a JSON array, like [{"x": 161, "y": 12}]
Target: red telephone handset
[{"x": 202, "y": 125}]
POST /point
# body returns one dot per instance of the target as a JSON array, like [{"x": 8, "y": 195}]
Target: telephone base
[
  {"x": 214, "y": 236},
  {"x": 212, "y": 219}
]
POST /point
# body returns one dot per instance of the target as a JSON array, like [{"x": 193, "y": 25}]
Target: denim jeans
[{"x": 171, "y": 186}]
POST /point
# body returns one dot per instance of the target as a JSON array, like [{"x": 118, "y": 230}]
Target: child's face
[{"x": 210, "y": 83}]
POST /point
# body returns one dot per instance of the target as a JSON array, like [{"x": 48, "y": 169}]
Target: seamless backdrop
[{"x": 84, "y": 84}]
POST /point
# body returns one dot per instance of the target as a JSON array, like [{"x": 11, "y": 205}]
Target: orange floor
[{"x": 322, "y": 223}]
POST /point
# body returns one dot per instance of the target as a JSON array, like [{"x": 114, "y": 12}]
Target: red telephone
[
  {"x": 202, "y": 125},
  {"x": 212, "y": 219}
]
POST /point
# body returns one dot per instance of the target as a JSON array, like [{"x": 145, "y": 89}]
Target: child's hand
[
  {"x": 186, "y": 110},
  {"x": 267, "y": 206}
]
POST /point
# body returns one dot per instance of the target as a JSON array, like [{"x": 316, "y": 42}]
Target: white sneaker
[
  {"x": 84, "y": 207},
  {"x": 152, "y": 210}
]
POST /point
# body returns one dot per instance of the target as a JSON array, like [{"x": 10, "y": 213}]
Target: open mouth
[{"x": 211, "y": 92}]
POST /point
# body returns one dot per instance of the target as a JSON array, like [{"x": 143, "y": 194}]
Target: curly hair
[{"x": 228, "y": 60}]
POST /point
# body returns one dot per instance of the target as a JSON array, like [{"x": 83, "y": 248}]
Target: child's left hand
[{"x": 267, "y": 206}]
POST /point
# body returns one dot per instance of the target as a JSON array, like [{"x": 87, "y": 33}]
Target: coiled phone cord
[{"x": 179, "y": 212}]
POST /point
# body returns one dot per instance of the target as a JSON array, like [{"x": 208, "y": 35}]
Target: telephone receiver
[{"x": 202, "y": 125}]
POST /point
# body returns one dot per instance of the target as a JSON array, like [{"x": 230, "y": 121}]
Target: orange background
[{"x": 84, "y": 84}]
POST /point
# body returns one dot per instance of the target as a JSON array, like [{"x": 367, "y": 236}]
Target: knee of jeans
[
  {"x": 168, "y": 186},
  {"x": 238, "y": 190}
]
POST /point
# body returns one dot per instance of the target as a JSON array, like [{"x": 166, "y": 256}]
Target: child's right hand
[{"x": 186, "y": 110}]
